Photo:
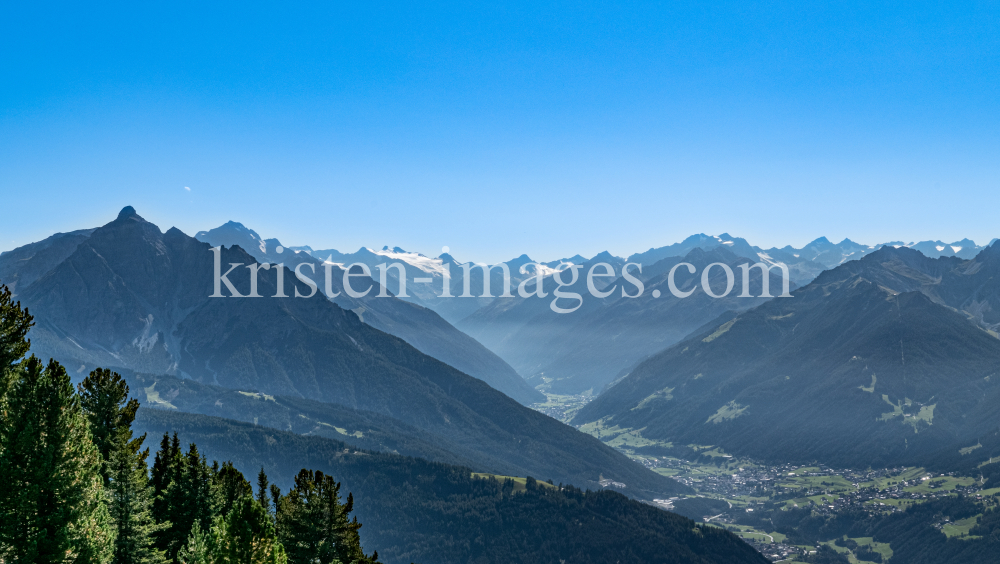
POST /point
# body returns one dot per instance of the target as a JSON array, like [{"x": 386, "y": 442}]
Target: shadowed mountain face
[
  {"x": 586, "y": 350},
  {"x": 22, "y": 266},
  {"x": 417, "y": 325},
  {"x": 134, "y": 297},
  {"x": 880, "y": 361}
]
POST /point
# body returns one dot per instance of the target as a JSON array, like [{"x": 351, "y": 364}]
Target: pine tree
[
  {"x": 275, "y": 497},
  {"x": 200, "y": 547},
  {"x": 230, "y": 486},
  {"x": 131, "y": 504},
  {"x": 14, "y": 344},
  {"x": 262, "y": 491},
  {"x": 52, "y": 500},
  {"x": 105, "y": 401},
  {"x": 249, "y": 537},
  {"x": 158, "y": 476},
  {"x": 193, "y": 499},
  {"x": 110, "y": 412},
  {"x": 184, "y": 494},
  {"x": 167, "y": 470},
  {"x": 314, "y": 526}
]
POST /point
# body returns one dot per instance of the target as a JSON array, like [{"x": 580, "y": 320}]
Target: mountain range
[
  {"x": 419, "y": 326},
  {"x": 130, "y": 296},
  {"x": 881, "y": 361},
  {"x": 582, "y": 352}
]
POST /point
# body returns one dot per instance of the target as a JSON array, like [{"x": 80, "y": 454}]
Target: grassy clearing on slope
[
  {"x": 961, "y": 528},
  {"x": 520, "y": 484},
  {"x": 620, "y": 437},
  {"x": 731, "y": 410},
  {"x": 153, "y": 398}
]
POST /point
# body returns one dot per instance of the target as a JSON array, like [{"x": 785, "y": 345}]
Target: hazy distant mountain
[
  {"x": 965, "y": 249},
  {"x": 831, "y": 255},
  {"x": 879, "y": 361},
  {"x": 523, "y": 331},
  {"x": 584, "y": 351},
  {"x": 736, "y": 245},
  {"x": 433, "y": 271},
  {"x": 134, "y": 297},
  {"x": 418, "y": 326},
  {"x": 806, "y": 263}
]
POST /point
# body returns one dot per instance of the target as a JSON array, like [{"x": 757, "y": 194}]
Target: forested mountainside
[
  {"x": 418, "y": 511},
  {"x": 881, "y": 361}
]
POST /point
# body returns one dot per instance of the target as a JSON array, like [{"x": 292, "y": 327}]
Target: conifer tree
[
  {"x": 52, "y": 501},
  {"x": 231, "y": 486},
  {"x": 200, "y": 548},
  {"x": 275, "y": 497},
  {"x": 248, "y": 536},
  {"x": 314, "y": 526},
  {"x": 105, "y": 402},
  {"x": 193, "y": 499},
  {"x": 14, "y": 344},
  {"x": 131, "y": 504},
  {"x": 166, "y": 470},
  {"x": 262, "y": 490},
  {"x": 183, "y": 490}
]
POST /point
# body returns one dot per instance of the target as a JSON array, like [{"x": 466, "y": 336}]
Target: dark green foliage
[
  {"x": 275, "y": 492},
  {"x": 131, "y": 504},
  {"x": 313, "y": 524},
  {"x": 827, "y": 555},
  {"x": 263, "y": 494},
  {"x": 248, "y": 537},
  {"x": 698, "y": 507},
  {"x": 914, "y": 539},
  {"x": 866, "y": 553},
  {"x": 105, "y": 402},
  {"x": 51, "y": 495},
  {"x": 185, "y": 494},
  {"x": 231, "y": 487},
  {"x": 166, "y": 470},
  {"x": 419, "y": 511},
  {"x": 14, "y": 325},
  {"x": 849, "y": 544},
  {"x": 104, "y": 396}
]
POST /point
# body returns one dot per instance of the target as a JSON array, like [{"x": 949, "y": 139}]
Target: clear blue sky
[{"x": 551, "y": 129}]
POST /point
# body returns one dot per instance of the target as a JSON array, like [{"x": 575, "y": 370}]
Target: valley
[{"x": 788, "y": 511}]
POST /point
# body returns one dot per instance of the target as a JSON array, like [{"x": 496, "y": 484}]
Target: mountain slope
[
  {"x": 421, "y": 327},
  {"x": 133, "y": 297},
  {"x": 414, "y": 510},
  {"x": 862, "y": 366},
  {"x": 418, "y": 266},
  {"x": 22, "y": 266},
  {"x": 586, "y": 350}
]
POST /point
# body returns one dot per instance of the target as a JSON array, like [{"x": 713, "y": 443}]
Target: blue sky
[{"x": 551, "y": 129}]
